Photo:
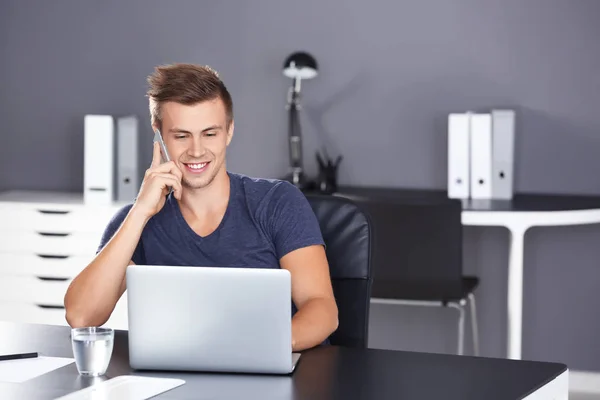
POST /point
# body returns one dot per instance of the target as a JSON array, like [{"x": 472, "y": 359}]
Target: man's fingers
[
  {"x": 169, "y": 180},
  {"x": 169, "y": 167}
]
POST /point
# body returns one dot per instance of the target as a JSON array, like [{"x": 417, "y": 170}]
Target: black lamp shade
[{"x": 300, "y": 65}]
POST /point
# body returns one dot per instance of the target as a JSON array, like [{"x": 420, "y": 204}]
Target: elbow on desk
[
  {"x": 77, "y": 318},
  {"x": 336, "y": 325},
  {"x": 75, "y": 321},
  {"x": 335, "y": 320}
]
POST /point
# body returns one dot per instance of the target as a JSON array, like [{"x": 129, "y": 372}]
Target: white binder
[
  {"x": 481, "y": 156},
  {"x": 503, "y": 137},
  {"x": 127, "y": 159},
  {"x": 458, "y": 156},
  {"x": 98, "y": 155}
]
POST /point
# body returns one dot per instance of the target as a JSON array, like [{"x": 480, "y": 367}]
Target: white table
[{"x": 550, "y": 211}]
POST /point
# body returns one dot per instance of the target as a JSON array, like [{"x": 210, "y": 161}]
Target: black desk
[
  {"x": 520, "y": 202},
  {"x": 322, "y": 373}
]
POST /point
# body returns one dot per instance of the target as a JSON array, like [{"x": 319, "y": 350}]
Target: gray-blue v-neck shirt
[{"x": 265, "y": 219}]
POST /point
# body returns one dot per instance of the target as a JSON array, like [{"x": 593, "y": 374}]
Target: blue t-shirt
[{"x": 265, "y": 219}]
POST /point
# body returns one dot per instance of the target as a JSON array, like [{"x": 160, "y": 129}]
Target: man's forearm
[
  {"x": 92, "y": 295},
  {"x": 313, "y": 323}
]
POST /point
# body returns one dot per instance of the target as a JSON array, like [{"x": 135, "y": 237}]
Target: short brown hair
[{"x": 186, "y": 84}]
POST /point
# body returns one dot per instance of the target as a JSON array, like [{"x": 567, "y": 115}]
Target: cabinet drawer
[
  {"x": 57, "y": 219},
  {"x": 32, "y": 314},
  {"x": 32, "y": 290},
  {"x": 43, "y": 265},
  {"x": 73, "y": 244}
]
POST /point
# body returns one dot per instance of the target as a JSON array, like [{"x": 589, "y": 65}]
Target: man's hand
[
  {"x": 317, "y": 315},
  {"x": 158, "y": 180}
]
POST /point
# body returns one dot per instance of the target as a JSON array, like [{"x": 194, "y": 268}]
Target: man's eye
[
  {"x": 180, "y": 137},
  {"x": 209, "y": 134}
]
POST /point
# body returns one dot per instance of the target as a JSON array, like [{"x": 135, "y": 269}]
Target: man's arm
[
  {"x": 93, "y": 294},
  {"x": 317, "y": 315},
  {"x": 289, "y": 219}
]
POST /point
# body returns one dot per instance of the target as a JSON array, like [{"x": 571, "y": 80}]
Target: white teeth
[{"x": 197, "y": 166}]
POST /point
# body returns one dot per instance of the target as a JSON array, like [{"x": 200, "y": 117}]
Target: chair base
[{"x": 459, "y": 305}]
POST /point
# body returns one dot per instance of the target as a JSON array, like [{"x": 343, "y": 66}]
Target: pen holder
[{"x": 327, "y": 178}]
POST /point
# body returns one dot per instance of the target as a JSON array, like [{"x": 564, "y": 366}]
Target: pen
[{"x": 17, "y": 356}]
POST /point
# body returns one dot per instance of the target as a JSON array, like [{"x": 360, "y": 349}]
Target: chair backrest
[
  {"x": 417, "y": 243},
  {"x": 346, "y": 231}
]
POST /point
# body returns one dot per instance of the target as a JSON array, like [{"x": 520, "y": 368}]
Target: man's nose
[{"x": 197, "y": 149}]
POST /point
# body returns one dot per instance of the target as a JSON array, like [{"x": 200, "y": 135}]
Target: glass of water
[{"x": 92, "y": 349}]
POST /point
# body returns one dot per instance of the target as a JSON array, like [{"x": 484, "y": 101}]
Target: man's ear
[{"x": 230, "y": 132}]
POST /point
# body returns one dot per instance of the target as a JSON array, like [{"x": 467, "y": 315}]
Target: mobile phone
[
  {"x": 158, "y": 138},
  {"x": 165, "y": 154}
]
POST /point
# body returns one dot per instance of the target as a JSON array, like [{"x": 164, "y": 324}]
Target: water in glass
[{"x": 92, "y": 349}]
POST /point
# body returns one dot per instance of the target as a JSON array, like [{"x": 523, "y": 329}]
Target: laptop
[{"x": 210, "y": 319}]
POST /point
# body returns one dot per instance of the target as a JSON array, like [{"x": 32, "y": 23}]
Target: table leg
[{"x": 515, "y": 292}]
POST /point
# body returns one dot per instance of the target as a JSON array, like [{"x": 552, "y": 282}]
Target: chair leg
[
  {"x": 474, "y": 325},
  {"x": 461, "y": 325}
]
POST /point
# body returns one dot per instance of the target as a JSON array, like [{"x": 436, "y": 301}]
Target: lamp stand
[{"x": 296, "y": 176}]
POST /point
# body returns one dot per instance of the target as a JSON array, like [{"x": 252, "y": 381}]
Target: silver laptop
[{"x": 210, "y": 319}]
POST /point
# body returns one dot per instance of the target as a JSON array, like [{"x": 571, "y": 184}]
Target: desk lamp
[{"x": 297, "y": 66}]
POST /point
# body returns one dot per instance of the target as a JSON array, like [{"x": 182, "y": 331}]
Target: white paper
[
  {"x": 125, "y": 387},
  {"x": 17, "y": 371}
]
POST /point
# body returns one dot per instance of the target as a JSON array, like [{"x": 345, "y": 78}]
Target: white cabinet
[{"x": 46, "y": 239}]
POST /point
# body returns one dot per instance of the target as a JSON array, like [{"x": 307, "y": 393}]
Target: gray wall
[{"x": 390, "y": 73}]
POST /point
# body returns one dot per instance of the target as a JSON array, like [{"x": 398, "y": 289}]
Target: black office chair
[
  {"x": 417, "y": 258},
  {"x": 346, "y": 231}
]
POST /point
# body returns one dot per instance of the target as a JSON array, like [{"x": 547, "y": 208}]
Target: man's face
[{"x": 196, "y": 137}]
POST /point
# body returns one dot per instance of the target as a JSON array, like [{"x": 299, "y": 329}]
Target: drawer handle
[
  {"x": 51, "y": 279},
  {"x": 54, "y": 234},
  {"x": 52, "y": 256},
  {"x": 59, "y": 212},
  {"x": 50, "y": 307}
]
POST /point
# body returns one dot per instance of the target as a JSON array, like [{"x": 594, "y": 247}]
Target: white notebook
[
  {"x": 481, "y": 156},
  {"x": 458, "y": 156},
  {"x": 503, "y": 139},
  {"x": 125, "y": 387}
]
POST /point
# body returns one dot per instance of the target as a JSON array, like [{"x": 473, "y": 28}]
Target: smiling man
[{"x": 212, "y": 217}]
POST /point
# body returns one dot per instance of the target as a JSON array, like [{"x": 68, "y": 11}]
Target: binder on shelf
[
  {"x": 503, "y": 137},
  {"x": 127, "y": 159},
  {"x": 481, "y": 156},
  {"x": 98, "y": 154},
  {"x": 458, "y": 156}
]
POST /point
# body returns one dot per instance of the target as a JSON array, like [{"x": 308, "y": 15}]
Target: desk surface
[
  {"x": 322, "y": 373},
  {"x": 520, "y": 202}
]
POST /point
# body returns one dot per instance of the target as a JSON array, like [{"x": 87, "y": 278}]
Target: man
[{"x": 212, "y": 217}]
